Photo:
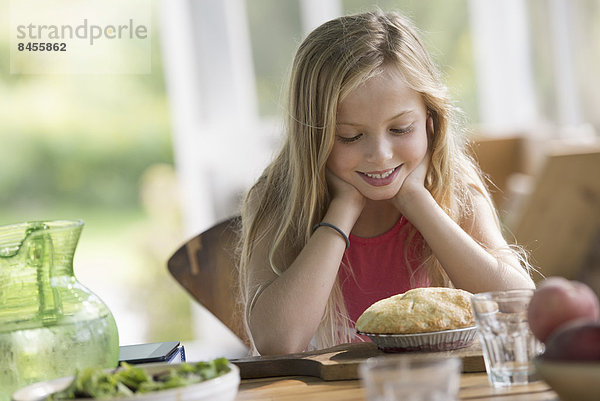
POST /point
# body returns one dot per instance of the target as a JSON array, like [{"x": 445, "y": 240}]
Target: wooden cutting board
[{"x": 339, "y": 362}]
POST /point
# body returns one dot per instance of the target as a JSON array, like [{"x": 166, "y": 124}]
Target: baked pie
[{"x": 420, "y": 310}]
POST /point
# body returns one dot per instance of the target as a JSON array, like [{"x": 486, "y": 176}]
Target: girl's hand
[
  {"x": 342, "y": 190},
  {"x": 413, "y": 185}
]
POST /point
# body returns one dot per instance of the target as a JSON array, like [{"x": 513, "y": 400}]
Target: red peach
[
  {"x": 557, "y": 301},
  {"x": 575, "y": 341}
]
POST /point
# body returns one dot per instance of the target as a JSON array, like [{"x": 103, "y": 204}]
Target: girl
[{"x": 372, "y": 193}]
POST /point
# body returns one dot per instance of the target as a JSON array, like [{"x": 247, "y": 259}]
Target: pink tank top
[{"x": 379, "y": 267}]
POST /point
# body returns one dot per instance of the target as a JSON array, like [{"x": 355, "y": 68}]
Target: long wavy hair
[{"x": 291, "y": 195}]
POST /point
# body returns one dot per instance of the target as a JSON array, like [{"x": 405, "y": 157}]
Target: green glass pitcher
[{"x": 50, "y": 324}]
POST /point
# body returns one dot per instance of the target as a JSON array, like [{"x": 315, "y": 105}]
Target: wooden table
[
  {"x": 473, "y": 386},
  {"x": 331, "y": 375}
]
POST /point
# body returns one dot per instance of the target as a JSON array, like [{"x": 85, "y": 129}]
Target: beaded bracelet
[{"x": 325, "y": 224}]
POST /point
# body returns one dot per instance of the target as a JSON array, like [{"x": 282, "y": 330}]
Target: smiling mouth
[
  {"x": 380, "y": 178},
  {"x": 381, "y": 175}
]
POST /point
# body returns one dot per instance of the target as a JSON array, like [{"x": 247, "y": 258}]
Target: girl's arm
[
  {"x": 468, "y": 264},
  {"x": 287, "y": 312}
]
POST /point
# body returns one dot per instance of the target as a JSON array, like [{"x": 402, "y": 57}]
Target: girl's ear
[{"x": 429, "y": 127}]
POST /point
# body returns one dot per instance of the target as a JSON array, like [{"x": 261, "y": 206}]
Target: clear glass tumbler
[
  {"x": 411, "y": 378},
  {"x": 507, "y": 342}
]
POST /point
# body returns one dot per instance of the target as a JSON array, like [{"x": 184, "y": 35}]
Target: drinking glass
[
  {"x": 411, "y": 378},
  {"x": 507, "y": 342}
]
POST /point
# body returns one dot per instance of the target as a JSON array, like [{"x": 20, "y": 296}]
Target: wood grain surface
[
  {"x": 340, "y": 362},
  {"x": 473, "y": 387}
]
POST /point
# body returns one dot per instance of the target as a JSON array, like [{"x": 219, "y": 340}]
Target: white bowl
[
  {"x": 221, "y": 388},
  {"x": 571, "y": 380}
]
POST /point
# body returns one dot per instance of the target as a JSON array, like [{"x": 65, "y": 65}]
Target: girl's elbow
[
  {"x": 523, "y": 281},
  {"x": 276, "y": 341},
  {"x": 530, "y": 283},
  {"x": 278, "y": 346}
]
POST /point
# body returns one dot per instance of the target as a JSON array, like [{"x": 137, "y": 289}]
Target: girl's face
[{"x": 381, "y": 136}]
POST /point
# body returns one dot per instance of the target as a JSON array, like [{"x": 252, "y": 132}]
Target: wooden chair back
[
  {"x": 205, "y": 266},
  {"x": 558, "y": 219},
  {"x": 561, "y": 219}
]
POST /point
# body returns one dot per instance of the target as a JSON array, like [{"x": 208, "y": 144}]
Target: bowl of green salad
[{"x": 217, "y": 379}]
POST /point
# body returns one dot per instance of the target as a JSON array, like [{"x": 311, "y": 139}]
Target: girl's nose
[{"x": 378, "y": 150}]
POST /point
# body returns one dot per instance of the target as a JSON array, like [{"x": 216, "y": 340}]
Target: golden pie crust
[{"x": 420, "y": 310}]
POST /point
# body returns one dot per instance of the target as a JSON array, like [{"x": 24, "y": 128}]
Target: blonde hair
[{"x": 291, "y": 196}]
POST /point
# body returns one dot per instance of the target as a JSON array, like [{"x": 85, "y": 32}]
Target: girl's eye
[
  {"x": 402, "y": 131},
  {"x": 344, "y": 139}
]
